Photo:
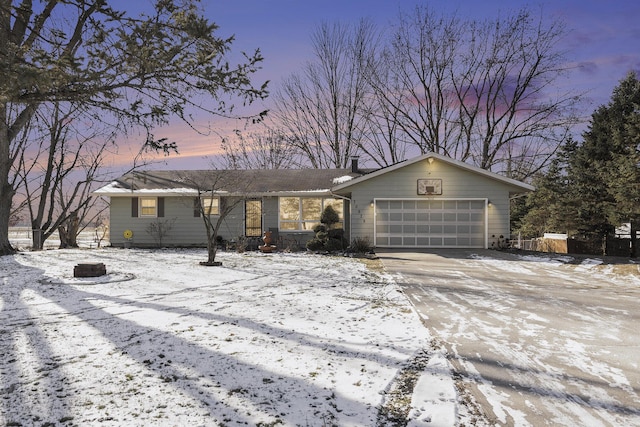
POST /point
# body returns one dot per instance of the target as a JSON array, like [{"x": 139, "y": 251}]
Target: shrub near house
[{"x": 327, "y": 237}]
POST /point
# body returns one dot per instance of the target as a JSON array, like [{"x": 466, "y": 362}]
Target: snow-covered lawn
[{"x": 280, "y": 339}]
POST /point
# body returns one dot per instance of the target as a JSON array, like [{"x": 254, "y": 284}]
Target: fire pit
[{"x": 89, "y": 270}]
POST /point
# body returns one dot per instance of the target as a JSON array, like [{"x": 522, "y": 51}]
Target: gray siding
[
  {"x": 457, "y": 183},
  {"x": 186, "y": 229}
]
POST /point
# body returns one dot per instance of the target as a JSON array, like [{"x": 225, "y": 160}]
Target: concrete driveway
[{"x": 535, "y": 340}]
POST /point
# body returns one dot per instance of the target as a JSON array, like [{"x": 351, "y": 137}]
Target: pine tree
[
  {"x": 587, "y": 199},
  {"x": 623, "y": 170},
  {"x": 594, "y": 186},
  {"x": 603, "y": 172},
  {"x": 544, "y": 207}
]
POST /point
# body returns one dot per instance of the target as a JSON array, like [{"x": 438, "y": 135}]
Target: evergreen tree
[
  {"x": 624, "y": 168},
  {"x": 545, "y": 208},
  {"x": 586, "y": 197},
  {"x": 593, "y": 187},
  {"x": 609, "y": 156}
]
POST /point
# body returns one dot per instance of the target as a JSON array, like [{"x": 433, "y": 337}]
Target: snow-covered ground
[
  {"x": 536, "y": 339},
  {"x": 280, "y": 339}
]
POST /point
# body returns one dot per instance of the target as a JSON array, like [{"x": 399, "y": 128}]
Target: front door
[{"x": 253, "y": 218}]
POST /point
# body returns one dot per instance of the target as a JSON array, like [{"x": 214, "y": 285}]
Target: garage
[
  {"x": 421, "y": 223},
  {"x": 431, "y": 201}
]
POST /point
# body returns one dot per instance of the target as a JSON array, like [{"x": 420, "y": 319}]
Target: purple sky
[{"x": 603, "y": 41}]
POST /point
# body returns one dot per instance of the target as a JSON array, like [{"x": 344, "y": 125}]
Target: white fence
[{"x": 21, "y": 238}]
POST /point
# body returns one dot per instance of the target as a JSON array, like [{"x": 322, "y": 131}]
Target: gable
[{"x": 435, "y": 175}]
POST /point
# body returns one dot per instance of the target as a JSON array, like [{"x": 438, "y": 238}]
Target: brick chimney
[{"x": 354, "y": 164}]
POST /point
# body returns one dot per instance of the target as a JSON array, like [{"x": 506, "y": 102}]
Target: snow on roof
[
  {"x": 280, "y": 181},
  {"x": 115, "y": 188},
  {"x": 342, "y": 179}
]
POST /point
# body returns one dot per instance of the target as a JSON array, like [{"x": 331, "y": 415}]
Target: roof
[
  {"x": 270, "y": 181},
  {"x": 183, "y": 182},
  {"x": 518, "y": 184}
]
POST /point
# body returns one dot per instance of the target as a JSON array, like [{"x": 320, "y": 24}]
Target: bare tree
[
  {"x": 219, "y": 192},
  {"x": 270, "y": 149},
  {"x": 79, "y": 218},
  {"x": 483, "y": 92},
  {"x": 57, "y": 171},
  {"x": 322, "y": 106},
  {"x": 15, "y": 217},
  {"x": 384, "y": 143},
  {"x": 413, "y": 79},
  {"x": 158, "y": 230},
  {"x": 137, "y": 71}
]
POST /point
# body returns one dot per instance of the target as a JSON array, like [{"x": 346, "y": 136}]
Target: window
[
  {"x": 148, "y": 206},
  {"x": 303, "y": 213},
  {"x": 211, "y": 205}
]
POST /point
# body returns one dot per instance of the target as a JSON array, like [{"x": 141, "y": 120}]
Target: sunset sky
[{"x": 603, "y": 43}]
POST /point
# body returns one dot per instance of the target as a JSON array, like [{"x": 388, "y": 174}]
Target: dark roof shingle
[{"x": 235, "y": 181}]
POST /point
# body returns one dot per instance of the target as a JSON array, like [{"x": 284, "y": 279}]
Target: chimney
[{"x": 354, "y": 164}]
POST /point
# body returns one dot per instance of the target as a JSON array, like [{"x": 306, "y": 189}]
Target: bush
[
  {"x": 361, "y": 245},
  {"x": 334, "y": 245},
  {"x": 329, "y": 216},
  {"x": 322, "y": 235},
  {"x": 336, "y": 233},
  {"x": 319, "y": 228},
  {"x": 327, "y": 238},
  {"x": 315, "y": 244}
]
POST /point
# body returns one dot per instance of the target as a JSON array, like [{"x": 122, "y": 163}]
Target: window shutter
[
  {"x": 160, "y": 207},
  {"x": 196, "y": 207},
  {"x": 134, "y": 207}
]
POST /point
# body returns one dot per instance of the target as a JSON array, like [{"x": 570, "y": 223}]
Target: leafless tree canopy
[
  {"x": 322, "y": 106},
  {"x": 485, "y": 92},
  {"x": 137, "y": 70},
  {"x": 58, "y": 160},
  {"x": 266, "y": 149}
]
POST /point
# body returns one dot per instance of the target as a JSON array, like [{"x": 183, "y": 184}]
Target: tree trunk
[
  {"x": 212, "y": 236},
  {"x": 37, "y": 238},
  {"x": 6, "y": 190},
  {"x": 212, "y": 249},
  {"x": 69, "y": 232},
  {"x": 6, "y": 196}
]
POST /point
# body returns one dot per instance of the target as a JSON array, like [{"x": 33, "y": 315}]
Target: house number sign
[{"x": 429, "y": 187}]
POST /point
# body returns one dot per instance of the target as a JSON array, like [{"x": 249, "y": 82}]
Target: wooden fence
[{"x": 611, "y": 246}]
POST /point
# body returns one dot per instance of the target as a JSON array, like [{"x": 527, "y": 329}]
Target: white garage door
[{"x": 430, "y": 223}]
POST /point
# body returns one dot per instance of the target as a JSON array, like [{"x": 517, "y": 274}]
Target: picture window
[{"x": 303, "y": 213}]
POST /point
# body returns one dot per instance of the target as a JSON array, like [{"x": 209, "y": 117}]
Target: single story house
[{"x": 430, "y": 201}]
